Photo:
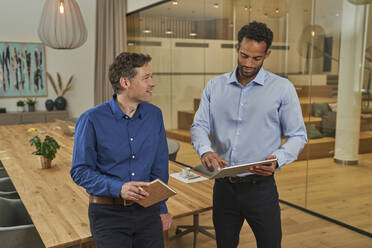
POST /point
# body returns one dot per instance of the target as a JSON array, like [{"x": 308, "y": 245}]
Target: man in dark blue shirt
[{"x": 120, "y": 146}]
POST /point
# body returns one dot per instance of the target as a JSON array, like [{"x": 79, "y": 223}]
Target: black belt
[{"x": 248, "y": 179}]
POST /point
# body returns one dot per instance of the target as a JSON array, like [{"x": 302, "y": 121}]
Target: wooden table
[{"x": 57, "y": 206}]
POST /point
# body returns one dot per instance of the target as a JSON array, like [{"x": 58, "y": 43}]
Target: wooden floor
[{"x": 340, "y": 192}]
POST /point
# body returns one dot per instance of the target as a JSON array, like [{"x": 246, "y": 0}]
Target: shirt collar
[
  {"x": 119, "y": 114},
  {"x": 259, "y": 79}
]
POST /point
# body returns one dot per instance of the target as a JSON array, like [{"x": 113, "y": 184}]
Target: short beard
[{"x": 248, "y": 75}]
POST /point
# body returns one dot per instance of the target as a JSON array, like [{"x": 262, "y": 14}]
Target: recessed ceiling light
[
  {"x": 337, "y": 14},
  {"x": 175, "y": 2},
  {"x": 147, "y": 31},
  {"x": 169, "y": 31},
  {"x": 216, "y": 5},
  {"x": 193, "y": 34}
]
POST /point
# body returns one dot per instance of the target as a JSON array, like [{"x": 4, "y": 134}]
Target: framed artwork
[{"x": 22, "y": 70}]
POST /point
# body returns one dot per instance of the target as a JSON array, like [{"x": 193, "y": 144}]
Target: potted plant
[
  {"x": 21, "y": 106},
  {"x": 31, "y": 104},
  {"x": 46, "y": 149}
]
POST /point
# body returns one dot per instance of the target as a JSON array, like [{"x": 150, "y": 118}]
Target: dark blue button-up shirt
[{"x": 111, "y": 149}]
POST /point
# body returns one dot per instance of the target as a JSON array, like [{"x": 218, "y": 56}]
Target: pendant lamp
[
  {"x": 62, "y": 25},
  {"x": 360, "y": 2}
]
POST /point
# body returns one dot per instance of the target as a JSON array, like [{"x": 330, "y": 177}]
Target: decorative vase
[
  {"x": 60, "y": 103},
  {"x": 45, "y": 163},
  {"x": 31, "y": 108},
  {"x": 49, "y": 105}
]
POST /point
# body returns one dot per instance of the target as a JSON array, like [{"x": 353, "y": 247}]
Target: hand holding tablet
[{"x": 242, "y": 168}]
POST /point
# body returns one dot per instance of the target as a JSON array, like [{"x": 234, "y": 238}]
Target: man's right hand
[
  {"x": 209, "y": 159},
  {"x": 134, "y": 191}
]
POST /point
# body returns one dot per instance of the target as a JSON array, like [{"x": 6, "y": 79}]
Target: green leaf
[{"x": 47, "y": 148}]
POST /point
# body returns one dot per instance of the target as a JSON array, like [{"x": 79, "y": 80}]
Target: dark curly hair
[
  {"x": 257, "y": 31},
  {"x": 124, "y": 66}
]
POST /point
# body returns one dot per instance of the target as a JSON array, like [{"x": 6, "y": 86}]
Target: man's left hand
[
  {"x": 166, "y": 220},
  {"x": 264, "y": 170}
]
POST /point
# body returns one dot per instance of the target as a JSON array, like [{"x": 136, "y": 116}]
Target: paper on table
[{"x": 192, "y": 178}]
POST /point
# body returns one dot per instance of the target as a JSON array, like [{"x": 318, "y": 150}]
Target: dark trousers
[
  {"x": 114, "y": 226},
  {"x": 255, "y": 202}
]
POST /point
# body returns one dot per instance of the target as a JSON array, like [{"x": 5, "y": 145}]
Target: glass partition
[{"x": 324, "y": 47}]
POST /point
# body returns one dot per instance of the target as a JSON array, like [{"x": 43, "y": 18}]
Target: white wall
[
  {"x": 18, "y": 23},
  {"x": 133, "y": 5}
]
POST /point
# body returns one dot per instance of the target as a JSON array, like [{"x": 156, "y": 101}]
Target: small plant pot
[
  {"x": 21, "y": 108},
  {"x": 31, "y": 108},
  {"x": 45, "y": 163}
]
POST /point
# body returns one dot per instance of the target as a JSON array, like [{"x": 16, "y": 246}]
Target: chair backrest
[
  {"x": 16, "y": 228},
  {"x": 20, "y": 236},
  {"x": 3, "y": 172},
  {"x": 9, "y": 195},
  {"x": 173, "y": 147},
  {"x": 6, "y": 185},
  {"x": 13, "y": 213}
]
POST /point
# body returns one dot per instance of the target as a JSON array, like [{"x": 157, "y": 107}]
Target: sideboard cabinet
[{"x": 32, "y": 117}]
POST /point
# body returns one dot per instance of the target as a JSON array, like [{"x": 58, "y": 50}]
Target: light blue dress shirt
[{"x": 247, "y": 123}]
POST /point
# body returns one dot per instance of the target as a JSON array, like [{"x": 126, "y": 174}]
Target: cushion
[
  {"x": 333, "y": 107},
  {"x": 319, "y": 108},
  {"x": 328, "y": 124},
  {"x": 313, "y": 132}
]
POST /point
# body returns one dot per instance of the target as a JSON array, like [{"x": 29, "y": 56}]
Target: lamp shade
[
  {"x": 312, "y": 36},
  {"x": 62, "y": 25},
  {"x": 360, "y": 2}
]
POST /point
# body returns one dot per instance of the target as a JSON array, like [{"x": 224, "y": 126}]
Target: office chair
[
  {"x": 7, "y": 189},
  {"x": 16, "y": 228},
  {"x": 3, "y": 172},
  {"x": 173, "y": 147}
]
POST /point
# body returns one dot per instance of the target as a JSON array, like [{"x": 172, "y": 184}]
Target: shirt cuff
[
  {"x": 203, "y": 150},
  {"x": 280, "y": 157},
  {"x": 116, "y": 188},
  {"x": 163, "y": 208}
]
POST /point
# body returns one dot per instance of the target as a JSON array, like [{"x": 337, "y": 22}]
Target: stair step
[
  {"x": 185, "y": 119},
  {"x": 304, "y": 100},
  {"x": 314, "y": 91},
  {"x": 316, "y": 148},
  {"x": 306, "y": 103}
]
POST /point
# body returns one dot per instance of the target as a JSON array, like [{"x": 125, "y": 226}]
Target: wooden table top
[{"x": 57, "y": 206}]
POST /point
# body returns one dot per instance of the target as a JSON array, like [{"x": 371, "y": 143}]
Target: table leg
[{"x": 166, "y": 239}]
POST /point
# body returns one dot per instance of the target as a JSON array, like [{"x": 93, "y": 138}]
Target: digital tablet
[{"x": 238, "y": 169}]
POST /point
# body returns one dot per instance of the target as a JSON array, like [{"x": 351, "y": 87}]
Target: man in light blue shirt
[{"x": 242, "y": 118}]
